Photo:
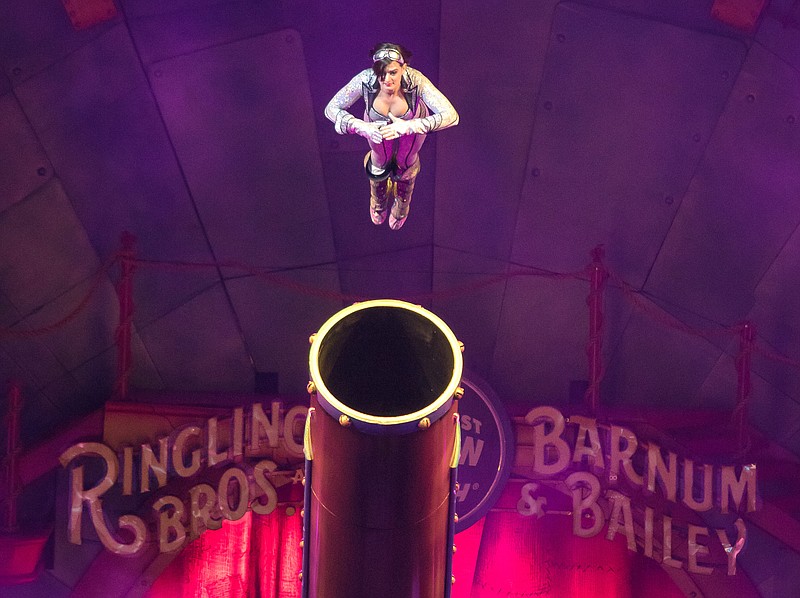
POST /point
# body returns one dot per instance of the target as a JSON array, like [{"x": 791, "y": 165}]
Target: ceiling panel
[
  {"x": 468, "y": 295},
  {"x": 541, "y": 340},
  {"x": 278, "y": 316},
  {"x": 45, "y": 249},
  {"x": 92, "y": 308},
  {"x": 354, "y": 233},
  {"x": 95, "y": 115},
  {"x": 212, "y": 356},
  {"x": 403, "y": 273},
  {"x": 491, "y": 63},
  {"x": 23, "y": 163},
  {"x": 742, "y": 205},
  {"x": 36, "y": 34},
  {"x": 779, "y": 31},
  {"x": 620, "y": 128},
  {"x": 164, "y": 30},
  {"x": 244, "y": 133},
  {"x": 653, "y": 364}
]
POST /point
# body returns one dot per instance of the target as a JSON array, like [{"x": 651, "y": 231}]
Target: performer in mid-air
[{"x": 401, "y": 107}]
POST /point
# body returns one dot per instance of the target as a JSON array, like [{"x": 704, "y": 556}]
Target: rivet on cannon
[
  {"x": 311, "y": 388},
  {"x": 454, "y": 548},
  {"x": 455, "y": 518},
  {"x": 452, "y": 579},
  {"x": 344, "y": 420},
  {"x": 311, "y": 338},
  {"x": 459, "y": 393},
  {"x": 461, "y": 346},
  {"x": 424, "y": 423}
]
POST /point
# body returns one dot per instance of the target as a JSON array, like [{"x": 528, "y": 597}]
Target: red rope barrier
[
  {"x": 632, "y": 295},
  {"x": 663, "y": 317},
  {"x": 98, "y": 278}
]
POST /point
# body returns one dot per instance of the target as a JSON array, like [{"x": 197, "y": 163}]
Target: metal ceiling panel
[
  {"x": 742, "y": 205},
  {"x": 653, "y": 364},
  {"x": 776, "y": 313},
  {"x": 212, "y": 355},
  {"x": 172, "y": 30},
  {"x": 338, "y": 37},
  {"x": 774, "y": 413},
  {"x": 278, "y": 318},
  {"x": 541, "y": 340},
  {"x": 695, "y": 15},
  {"x": 348, "y": 200},
  {"x": 240, "y": 118},
  {"x": 490, "y": 68},
  {"x": 23, "y": 163},
  {"x": 44, "y": 248},
  {"x": 47, "y": 410},
  {"x": 87, "y": 334},
  {"x": 36, "y": 34},
  {"x": 400, "y": 274},
  {"x": 97, "y": 120},
  {"x": 779, "y": 31},
  {"x": 463, "y": 297},
  {"x": 621, "y": 126},
  {"x": 770, "y": 564}
]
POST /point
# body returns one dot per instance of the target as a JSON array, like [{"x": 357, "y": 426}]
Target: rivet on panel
[
  {"x": 344, "y": 420},
  {"x": 424, "y": 423}
]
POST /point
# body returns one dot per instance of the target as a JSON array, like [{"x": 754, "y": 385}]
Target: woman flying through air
[{"x": 401, "y": 107}]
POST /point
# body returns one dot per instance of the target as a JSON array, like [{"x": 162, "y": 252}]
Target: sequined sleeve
[
  {"x": 336, "y": 110},
  {"x": 442, "y": 115}
]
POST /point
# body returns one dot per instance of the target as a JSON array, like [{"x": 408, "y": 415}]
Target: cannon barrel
[{"x": 382, "y": 442}]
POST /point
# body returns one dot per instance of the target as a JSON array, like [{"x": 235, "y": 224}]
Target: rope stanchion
[
  {"x": 598, "y": 276},
  {"x": 746, "y": 336},
  {"x": 11, "y": 459},
  {"x": 127, "y": 257}
]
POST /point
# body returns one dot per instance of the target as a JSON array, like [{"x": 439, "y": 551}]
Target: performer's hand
[
  {"x": 368, "y": 130},
  {"x": 396, "y": 128}
]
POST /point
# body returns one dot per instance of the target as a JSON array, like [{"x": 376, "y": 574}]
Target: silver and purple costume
[{"x": 428, "y": 110}]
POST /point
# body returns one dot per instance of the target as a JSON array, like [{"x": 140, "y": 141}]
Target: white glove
[
  {"x": 397, "y": 128},
  {"x": 368, "y": 130}
]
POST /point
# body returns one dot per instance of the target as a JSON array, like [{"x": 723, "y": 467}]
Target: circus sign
[
  {"x": 193, "y": 479},
  {"x": 634, "y": 488}
]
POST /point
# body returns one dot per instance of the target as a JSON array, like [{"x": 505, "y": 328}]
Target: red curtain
[
  {"x": 505, "y": 554},
  {"x": 258, "y": 556}
]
